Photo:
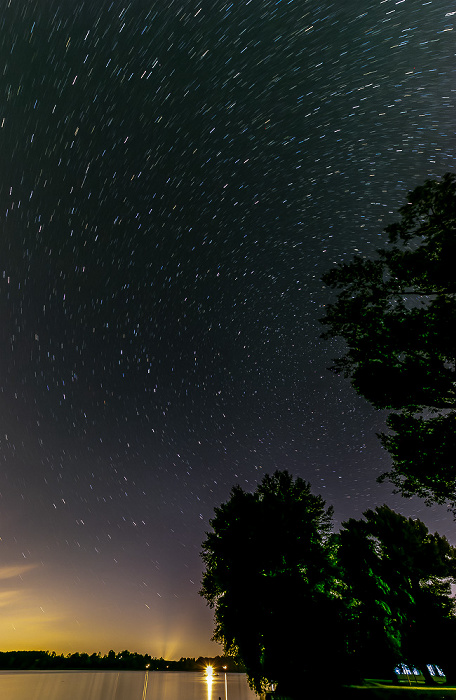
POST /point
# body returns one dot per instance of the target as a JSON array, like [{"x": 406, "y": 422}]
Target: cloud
[
  {"x": 8, "y": 597},
  {"x": 13, "y": 571}
]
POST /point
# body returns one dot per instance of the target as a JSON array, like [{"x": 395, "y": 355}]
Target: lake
[{"x": 123, "y": 685}]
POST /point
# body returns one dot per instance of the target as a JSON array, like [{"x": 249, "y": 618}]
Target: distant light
[{"x": 209, "y": 671}]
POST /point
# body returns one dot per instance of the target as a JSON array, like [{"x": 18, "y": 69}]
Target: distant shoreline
[{"x": 39, "y": 660}]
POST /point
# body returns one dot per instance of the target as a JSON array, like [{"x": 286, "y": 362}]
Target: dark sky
[{"x": 175, "y": 178}]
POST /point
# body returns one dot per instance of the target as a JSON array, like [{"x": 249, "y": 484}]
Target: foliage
[
  {"x": 399, "y": 578},
  {"x": 396, "y": 312},
  {"x": 271, "y": 578},
  {"x": 291, "y": 598}
]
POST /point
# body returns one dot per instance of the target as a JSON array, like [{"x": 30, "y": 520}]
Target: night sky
[{"x": 176, "y": 176}]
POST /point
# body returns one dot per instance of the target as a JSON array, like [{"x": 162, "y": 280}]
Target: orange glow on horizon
[{"x": 49, "y": 609}]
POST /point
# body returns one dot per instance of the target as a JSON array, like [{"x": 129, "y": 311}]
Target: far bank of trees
[
  {"x": 120, "y": 661},
  {"x": 300, "y": 604}
]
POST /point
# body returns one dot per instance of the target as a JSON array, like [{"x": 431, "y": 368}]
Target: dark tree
[
  {"x": 270, "y": 576},
  {"x": 397, "y": 313},
  {"x": 399, "y": 580}
]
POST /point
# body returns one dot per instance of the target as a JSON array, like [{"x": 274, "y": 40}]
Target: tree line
[{"x": 112, "y": 661}]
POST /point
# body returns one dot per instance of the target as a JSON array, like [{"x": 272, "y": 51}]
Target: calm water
[{"x": 126, "y": 685}]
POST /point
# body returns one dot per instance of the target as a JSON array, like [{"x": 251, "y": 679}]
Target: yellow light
[{"x": 209, "y": 681}]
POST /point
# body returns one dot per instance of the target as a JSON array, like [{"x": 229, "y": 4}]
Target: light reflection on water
[
  {"x": 209, "y": 681},
  {"x": 126, "y": 685}
]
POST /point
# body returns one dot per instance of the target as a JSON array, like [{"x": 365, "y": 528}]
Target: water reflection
[
  {"x": 209, "y": 679},
  {"x": 124, "y": 685},
  {"x": 146, "y": 678}
]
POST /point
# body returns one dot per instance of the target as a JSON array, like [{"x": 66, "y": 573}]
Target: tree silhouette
[
  {"x": 399, "y": 580},
  {"x": 271, "y": 577},
  {"x": 397, "y": 311}
]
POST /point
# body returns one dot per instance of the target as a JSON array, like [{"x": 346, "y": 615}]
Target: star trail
[{"x": 176, "y": 177}]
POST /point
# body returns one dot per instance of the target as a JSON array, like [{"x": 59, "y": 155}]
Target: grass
[{"x": 379, "y": 689}]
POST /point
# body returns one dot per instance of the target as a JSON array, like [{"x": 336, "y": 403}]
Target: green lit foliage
[
  {"x": 397, "y": 313},
  {"x": 399, "y": 579},
  {"x": 373, "y": 634},
  {"x": 270, "y": 577},
  {"x": 291, "y": 598}
]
